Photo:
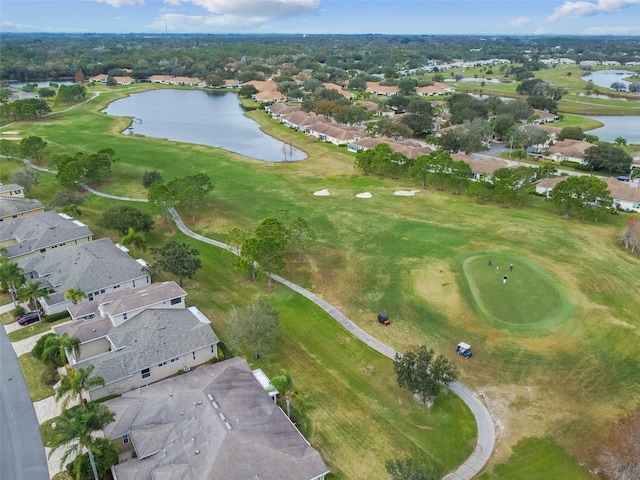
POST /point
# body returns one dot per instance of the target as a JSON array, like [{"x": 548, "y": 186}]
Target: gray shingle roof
[
  {"x": 118, "y": 302},
  {"x": 38, "y": 231},
  {"x": 17, "y": 206},
  {"x": 148, "y": 339},
  {"x": 89, "y": 267},
  {"x": 260, "y": 440}
]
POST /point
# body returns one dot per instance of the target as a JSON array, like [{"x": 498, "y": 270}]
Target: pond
[
  {"x": 202, "y": 117},
  {"x": 41, "y": 84},
  {"x": 627, "y": 127},
  {"x": 604, "y": 78}
]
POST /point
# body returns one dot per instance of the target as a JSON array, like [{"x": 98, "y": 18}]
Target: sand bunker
[
  {"x": 10, "y": 132},
  {"x": 364, "y": 195},
  {"x": 322, "y": 193},
  {"x": 406, "y": 193}
]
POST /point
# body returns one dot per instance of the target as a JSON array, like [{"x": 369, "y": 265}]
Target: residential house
[
  {"x": 301, "y": 120},
  {"x": 388, "y": 90},
  {"x": 171, "y": 80},
  {"x": 101, "y": 78},
  {"x": 137, "y": 336},
  {"x": 625, "y": 196},
  {"x": 269, "y": 96},
  {"x": 213, "y": 423},
  {"x": 437, "y": 88},
  {"x": 544, "y": 186},
  {"x": 378, "y": 110},
  {"x": 338, "y": 88},
  {"x": 409, "y": 148},
  {"x": 232, "y": 83},
  {"x": 481, "y": 167},
  {"x": 568, "y": 150},
  {"x": 39, "y": 233},
  {"x": 11, "y": 190},
  {"x": 277, "y": 110},
  {"x": 123, "y": 80},
  {"x": 544, "y": 117},
  {"x": 95, "y": 268},
  {"x": 16, "y": 207},
  {"x": 334, "y": 133}
]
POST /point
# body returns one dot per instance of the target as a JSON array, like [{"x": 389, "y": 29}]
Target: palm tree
[
  {"x": 56, "y": 348},
  {"x": 74, "y": 430},
  {"x": 30, "y": 292},
  {"x": 75, "y": 295},
  {"x": 284, "y": 384},
  {"x": 11, "y": 276},
  {"x": 136, "y": 239},
  {"x": 76, "y": 381}
]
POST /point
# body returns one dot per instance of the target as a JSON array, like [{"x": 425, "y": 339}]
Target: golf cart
[
  {"x": 383, "y": 318},
  {"x": 464, "y": 349}
]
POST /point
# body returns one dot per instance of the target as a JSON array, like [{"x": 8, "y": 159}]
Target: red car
[{"x": 29, "y": 318}]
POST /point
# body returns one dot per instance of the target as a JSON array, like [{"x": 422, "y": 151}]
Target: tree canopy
[
  {"x": 608, "y": 157},
  {"x": 585, "y": 196},
  {"x": 180, "y": 259},
  {"x": 256, "y": 326},
  {"x": 123, "y": 217},
  {"x": 424, "y": 374}
]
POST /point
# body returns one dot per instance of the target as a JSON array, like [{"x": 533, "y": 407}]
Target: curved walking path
[{"x": 486, "y": 430}]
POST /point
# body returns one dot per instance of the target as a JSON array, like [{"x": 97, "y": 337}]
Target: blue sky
[{"x": 495, "y": 17}]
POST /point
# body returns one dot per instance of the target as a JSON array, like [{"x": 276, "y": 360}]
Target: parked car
[
  {"x": 29, "y": 318},
  {"x": 464, "y": 349}
]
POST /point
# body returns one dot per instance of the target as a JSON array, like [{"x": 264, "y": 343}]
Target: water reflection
[{"x": 202, "y": 117}]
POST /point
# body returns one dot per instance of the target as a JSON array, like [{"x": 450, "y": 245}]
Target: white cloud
[
  {"x": 586, "y": 9},
  {"x": 123, "y": 3},
  {"x": 268, "y": 9},
  {"x": 201, "y": 23},
  {"x": 635, "y": 30},
  {"x": 8, "y": 26},
  {"x": 519, "y": 22},
  {"x": 541, "y": 31},
  {"x": 232, "y": 15}
]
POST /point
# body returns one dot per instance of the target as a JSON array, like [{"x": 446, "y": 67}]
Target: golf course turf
[
  {"x": 566, "y": 372},
  {"x": 513, "y": 292}
]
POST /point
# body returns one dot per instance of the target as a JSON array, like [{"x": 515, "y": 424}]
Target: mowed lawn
[
  {"x": 403, "y": 255},
  {"x": 513, "y": 292}
]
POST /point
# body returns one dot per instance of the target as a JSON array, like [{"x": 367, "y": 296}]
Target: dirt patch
[{"x": 518, "y": 412}]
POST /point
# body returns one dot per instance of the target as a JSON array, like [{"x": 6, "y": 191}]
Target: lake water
[
  {"x": 604, "y": 78},
  {"x": 41, "y": 84},
  {"x": 617, "y": 126},
  {"x": 202, "y": 117}
]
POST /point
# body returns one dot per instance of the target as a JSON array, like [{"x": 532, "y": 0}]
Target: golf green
[{"x": 519, "y": 297}]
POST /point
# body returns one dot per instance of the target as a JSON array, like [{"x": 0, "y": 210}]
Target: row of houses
[{"x": 142, "y": 338}]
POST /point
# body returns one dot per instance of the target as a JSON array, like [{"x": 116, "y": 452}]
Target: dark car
[{"x": 29, "y": 318}]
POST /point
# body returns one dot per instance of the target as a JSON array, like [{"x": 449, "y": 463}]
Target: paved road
[{"x": 22, "y": 455}]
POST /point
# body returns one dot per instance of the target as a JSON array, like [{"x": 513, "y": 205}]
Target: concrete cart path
[{"x": 486, "y": 430}]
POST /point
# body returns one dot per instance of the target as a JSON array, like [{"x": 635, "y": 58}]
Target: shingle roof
[
  {"x": 570, "y": 148},
  {"x": 149, "y": 338},
  {"x": 91, "y": 267},
  {"x": 38, "y": 231},
  {"x": 118, "y": 302},
  {"x": 193, "y": 440},
  {"x": 17, "y": 206},
  {"x": 10, "y": 187}
]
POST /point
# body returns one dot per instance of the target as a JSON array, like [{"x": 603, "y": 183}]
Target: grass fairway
[
  {"x": 536, "y": 458},
  {"x": 403, "y": 255},
  {"x": 528, "y": 301}
]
